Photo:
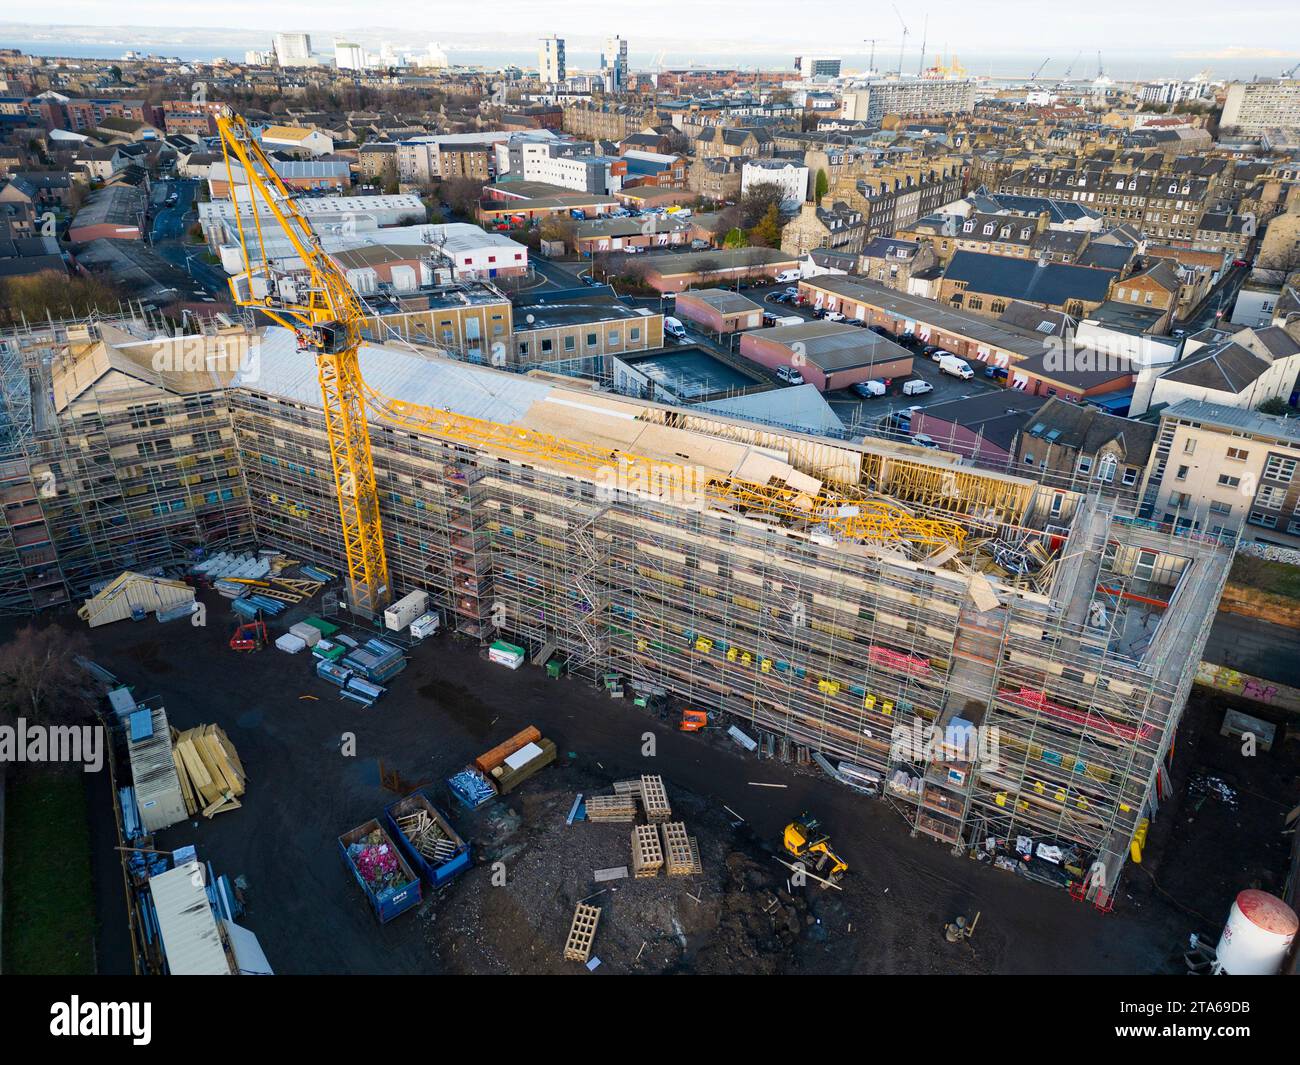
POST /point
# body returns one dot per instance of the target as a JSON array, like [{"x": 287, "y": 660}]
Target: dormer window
[
  {"x": 968, "y": 227},
  {"x": 988, "y": 228}
]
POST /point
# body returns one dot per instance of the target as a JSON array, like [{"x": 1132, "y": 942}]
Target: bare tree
[{"x": 40, "y": 678}]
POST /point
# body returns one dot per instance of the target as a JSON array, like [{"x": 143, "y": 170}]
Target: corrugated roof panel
[{"x": 190, "y": 937}]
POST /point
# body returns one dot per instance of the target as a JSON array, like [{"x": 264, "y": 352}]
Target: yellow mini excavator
[{"x": 805, "y": 839}]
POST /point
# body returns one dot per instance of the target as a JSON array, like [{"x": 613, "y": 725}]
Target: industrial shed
[{"x": 153, "y": 774}]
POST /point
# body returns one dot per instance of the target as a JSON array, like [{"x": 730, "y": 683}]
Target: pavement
[
  {"x": 448, "y": 706},
  {"x": 1220, "y": 298},
  {"x": 1254, "y": 646}
]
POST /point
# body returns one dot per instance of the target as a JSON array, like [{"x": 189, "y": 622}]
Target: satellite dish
[{"x": 528, "y": 319}]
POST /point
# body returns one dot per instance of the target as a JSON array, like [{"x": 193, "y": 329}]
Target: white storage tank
[
  {"x": 406, "y": 610},
  {"x": 1259, "y": 932}
]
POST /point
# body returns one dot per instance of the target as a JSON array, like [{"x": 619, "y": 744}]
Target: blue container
[
  {"x": 435, "y": 872},
  {"x": 390, "y": 901}
]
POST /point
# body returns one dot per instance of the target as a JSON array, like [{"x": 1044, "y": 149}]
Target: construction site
[
  {"x": 847, "y": 599},
  {"x": 1004, "y": 662}
]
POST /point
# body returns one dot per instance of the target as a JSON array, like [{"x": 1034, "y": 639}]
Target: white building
[
  {"x": 293, "y": 49},
  {"x": 306, "y": 139},
  {"x": 613, "y": 65},
  {"x": 875, "y": 99},
  {"x": 343, "y": 214},
  {"x": 436, "y": 57},
  {"x": 1257, "y": 106},
  {"x": 349, "y": 56},
  {"x": 791, "y": 178},
  {"x": 1241, "y": 368},
  {"x": 818, "y": 66},
  {"x": 550, "y": 61},
  {"x": 1168, "y": 92}
]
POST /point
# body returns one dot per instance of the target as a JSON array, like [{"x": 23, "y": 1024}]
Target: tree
[
  {"x": 51, "y": 293},
  {"x": 754, "y": 204},
  {"x": 462, "y": 195},
  {"x": 40, "y": 679},
  {"x": 767, "y": 233},
  {"x": 560, "y": 227},
  {"x": 735, "y": 238},
  {"x": 821, "y": 186},
  {"x": 1276, "y": 405}
]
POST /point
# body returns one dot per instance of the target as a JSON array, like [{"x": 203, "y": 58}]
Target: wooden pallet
[
  {"x": 611, "y": 808},
  {"x": 582, "y": 932},
  {"x": 678, "y": 856},
  {"x": 655, "y": 799},
  {"x": 647, "y": 852}
]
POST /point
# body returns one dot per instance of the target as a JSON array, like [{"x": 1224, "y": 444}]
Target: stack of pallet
[
  {"x": 212, "y": 777},
  {"x": 582, "y": 932},
  {"x": 681, "y": 852},
  {"x": 611, "y": 808},
  {"x": 654, "y": 798},
  {"x": 427, "y": 837},
  {"x": 647, "y": 854}
]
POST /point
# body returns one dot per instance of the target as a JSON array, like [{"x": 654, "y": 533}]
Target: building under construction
[{"x": 858, "y": 600}]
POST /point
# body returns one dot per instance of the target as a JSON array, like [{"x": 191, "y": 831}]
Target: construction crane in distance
[
  {"x": 1034, "y": 75},
  {"x": 902, "y": 47},
  {"x": 326, "y": 316},
  {"x": 871, "y": 66}
]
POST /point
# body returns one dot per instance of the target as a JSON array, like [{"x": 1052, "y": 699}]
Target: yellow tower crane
[
  {"x": 319, "y": 305},
  {"x": 321, "y": 308}
]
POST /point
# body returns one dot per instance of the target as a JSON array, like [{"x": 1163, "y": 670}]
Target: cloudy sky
[{"x": 1207, "y": 29}]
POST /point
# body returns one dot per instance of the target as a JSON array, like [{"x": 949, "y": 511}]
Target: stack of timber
[
  {"x": 211, "y": 775},
  {"x": 681, "y": 852}
]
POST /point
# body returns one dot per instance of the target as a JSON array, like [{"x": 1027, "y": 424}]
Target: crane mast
[{"x": 325, "y": 314}]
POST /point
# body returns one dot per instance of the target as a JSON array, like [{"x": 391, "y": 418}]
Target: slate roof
[
  {"x": 1224, "y": 367},
  {"x": 1027, "y": 279},
  {"x": 1087, "y": 430}
]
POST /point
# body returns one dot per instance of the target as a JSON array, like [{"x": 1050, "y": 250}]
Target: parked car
[
  {"x": 769, "y": 318},
  {"x": 955, "y": 367},
  {"x": 789, "y": 375},
  {"x": 674, "y": 328},
  {"x": 996, "y": 373},
  {"x": 699, "y": 245},
  {"x": 833, "y": 316},
  {"x": 870, "y": 389},
  {"x": 921, "y": 440},
  {"x": 917, "y": 388},
  {"x": 777, "y": 297},
  {"x": 939, "y": 354}
]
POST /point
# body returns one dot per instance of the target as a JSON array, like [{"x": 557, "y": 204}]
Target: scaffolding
[{"x": 1054, "y": 624}]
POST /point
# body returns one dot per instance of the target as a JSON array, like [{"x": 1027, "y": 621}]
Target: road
[
  {"x": 1221, "y": 298},
  {"x": 167, "y": 235}
]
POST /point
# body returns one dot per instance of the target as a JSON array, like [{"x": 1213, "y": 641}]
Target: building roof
[
  {"x": 1087, "y": 430},
  {"x": 290, "y": 133},
  {"x": 833, "y": 346},
  {"x": 670, "y": 264},
  {"x": 722, "y": 300},
  {"x": 1224, "y": 367},
  {"x": 1027, "y": 279},
  {"x": 800, "y": 407},
  {"x": 116, "y": 205},
  {"x": 996, "y": 416},
  {"x": 1270, "y": 426}
]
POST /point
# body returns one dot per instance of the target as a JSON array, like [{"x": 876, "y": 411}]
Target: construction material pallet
[
  {"x": 582, "y": 932},
  {"x": 680, "y": 857},
  {"x": 654, "y": 798},
  {"x": 647, "y": 852},
  {"x": 611, "y": 808}
]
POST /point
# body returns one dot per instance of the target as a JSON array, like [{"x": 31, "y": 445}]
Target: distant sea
[{"x": 1003, "y": 65}]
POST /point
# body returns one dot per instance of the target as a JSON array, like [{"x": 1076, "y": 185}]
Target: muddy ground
[{"x": 451, "y": 704}]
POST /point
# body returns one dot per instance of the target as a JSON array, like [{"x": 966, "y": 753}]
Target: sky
[{"x": 1193, "y": 29}]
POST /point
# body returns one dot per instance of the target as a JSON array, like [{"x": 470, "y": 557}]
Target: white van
[
  {"x": 674, "y": 328},
  {"x": 785, "y": 277},
  {"x": 956, "y": 367},
  {"x": 917, "y": 388},
  {"x": 789, "y": 375}
]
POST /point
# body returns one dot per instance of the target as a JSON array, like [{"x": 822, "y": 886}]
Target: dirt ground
[{"x": 294, "y": 735}]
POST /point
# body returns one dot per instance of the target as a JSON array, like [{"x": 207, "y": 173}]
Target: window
[
  {"x": 1182, "y": 473},
  {"x": 1106, "y": 469},
  {"x": 1189, "y": 446},
  {"x": 1130, "y": 476},
  {"x": 634, "y": 333},
  {"x": 1217, "y": 507},
  {"x": 1279, "y": 469},
  {"x": 1228, "y": 481},
  {"x": 592, "y": 340},
  {"x": 1178, "y": 500},
  {"x": 1268, "y": 521},
  {"x": 569, "y": 343},
  {"x": 1085, "y": 463},
  {"x": 1237, "y": 454},
  {"x": 523, "y": 347},
  {"x": 614, "y": 337},
  {"x": 1029, "y": 458},
  {"x": 547, "y": 346},
  {"x": 1271, "y": 496}
]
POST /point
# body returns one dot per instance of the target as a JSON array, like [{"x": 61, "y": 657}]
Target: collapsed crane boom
[{"x": 321, "y": 308}]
